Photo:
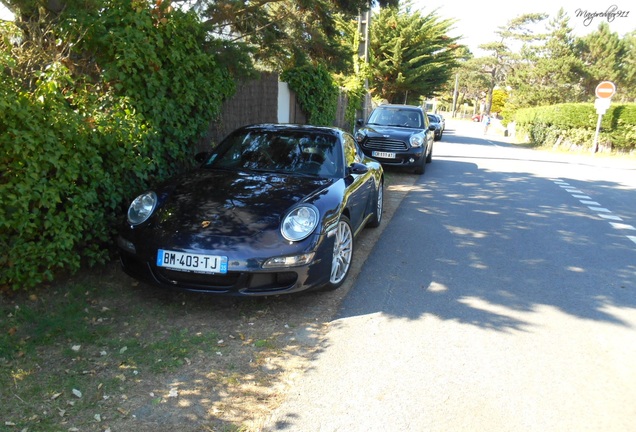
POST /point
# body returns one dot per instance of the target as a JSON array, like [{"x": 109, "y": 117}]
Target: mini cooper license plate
[
  {"x": 189, "y": 262},
  {"x": 385, "y": 155}
]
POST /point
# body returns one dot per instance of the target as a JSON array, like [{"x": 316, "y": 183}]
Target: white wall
[
  {"x": 5, "y": 14},
  {"x": 284, "y": 97}
]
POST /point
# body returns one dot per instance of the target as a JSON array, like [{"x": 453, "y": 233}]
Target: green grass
[
  {"x": 34, "y": 323},
  {"x": 165, "y": 353},
  {"x": 84, "y": 339}
]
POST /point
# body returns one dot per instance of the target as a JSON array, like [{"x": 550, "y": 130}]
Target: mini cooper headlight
[
  {"x": 141, "y": 208},
  {"x": 360, "y": 136},
  {"x": 416, "y": 140},
  {"x": 299, "y": 223}
]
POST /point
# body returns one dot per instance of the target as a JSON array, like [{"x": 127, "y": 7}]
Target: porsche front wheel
[{"x": 342, "y": 254}]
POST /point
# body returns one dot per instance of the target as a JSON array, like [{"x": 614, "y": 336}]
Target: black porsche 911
[{"x": 273, "y": 209}]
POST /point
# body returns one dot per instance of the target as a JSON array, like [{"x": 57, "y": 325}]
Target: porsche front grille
[{"x": 219, "y": 281}]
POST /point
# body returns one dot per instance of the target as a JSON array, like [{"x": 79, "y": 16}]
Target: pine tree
[
  {"x": 412, "y": 55},
  {"x": 549, "y": 72},
  {"x": 627, "y": 92},
  {"x": 602, "y": 53},
  {"x": 503, "y": 65}
]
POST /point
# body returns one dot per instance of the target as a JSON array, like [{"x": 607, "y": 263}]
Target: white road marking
[
  {"x": 622, "y": 226},
  {"x": 612, "y": 217},
  {"x": 595, "y": 206}
]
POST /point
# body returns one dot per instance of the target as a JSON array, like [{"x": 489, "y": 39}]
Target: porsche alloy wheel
[{"x": 342, "y": 253}]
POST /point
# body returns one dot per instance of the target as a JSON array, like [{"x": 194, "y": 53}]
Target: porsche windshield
[{"x": 280, "y": 151}]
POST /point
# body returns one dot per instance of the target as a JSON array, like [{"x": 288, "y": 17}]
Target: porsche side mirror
[
  {"x": 202, "y": 157},
  {"x": 358, "y": 168}
]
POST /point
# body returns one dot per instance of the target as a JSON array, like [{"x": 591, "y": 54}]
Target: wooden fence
[{"x": 258, "y": 101}]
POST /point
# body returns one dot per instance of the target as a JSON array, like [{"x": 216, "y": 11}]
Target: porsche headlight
[
  {"x": 300, "y": 223},
  {"x": 416, "y": 140},
  {"x": 141, "y": 208}
]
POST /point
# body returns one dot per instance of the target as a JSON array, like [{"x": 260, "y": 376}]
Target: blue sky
[{"x": 478, "y": 20}]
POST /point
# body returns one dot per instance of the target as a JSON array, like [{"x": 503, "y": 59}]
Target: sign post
[{"x": 604, "y": 92}]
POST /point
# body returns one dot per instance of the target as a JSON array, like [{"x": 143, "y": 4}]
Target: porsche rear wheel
[
  {"x": 342, "y": 254},
  {"x": 375, "y": 220}
]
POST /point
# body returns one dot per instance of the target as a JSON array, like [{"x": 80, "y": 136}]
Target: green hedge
[
  {"x": 356, "y": 93},
  {"x": 576, "y": 124},
  {"x": 315, "y": 91},
  {"x": 77, "y": 145}
]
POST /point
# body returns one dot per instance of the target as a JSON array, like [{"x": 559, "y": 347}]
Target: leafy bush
[
  {"x": 355, "y": 91},
  {"x": 316, "y": 92},
  {"x": 576, "y": 124},
  {"x": 51, "y": 187},
  {"x": 84, "y": 131},
  {"x": 156, "y": 58}
]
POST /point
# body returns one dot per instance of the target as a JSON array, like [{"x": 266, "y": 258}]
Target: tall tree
[
  {"x": 550, "y": 71},
  {"x": 281, "y": 33},
  {"x": 627, "y": 92},
  {"x": 412, "y": 55},
  {"x": 472, "y": 84},
  {"x": 602, "y": 52},
  {"x": 285, "y": 33},
  {"x": 502, "y": 59}
]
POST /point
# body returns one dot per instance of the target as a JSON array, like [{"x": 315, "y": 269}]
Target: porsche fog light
[
  {"x": 289, "y": 261},
  {"x": 299, "y": 223},
  {"x": 141, "y": 208},
  {"x": 126, "y": 245}
]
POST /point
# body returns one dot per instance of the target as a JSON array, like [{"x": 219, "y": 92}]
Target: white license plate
[
  {"x": 197, "y": 263},
  {"x": 385, "y": 155}
]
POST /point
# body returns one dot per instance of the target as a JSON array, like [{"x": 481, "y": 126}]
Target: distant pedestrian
[{"x": 485, "y": 120}]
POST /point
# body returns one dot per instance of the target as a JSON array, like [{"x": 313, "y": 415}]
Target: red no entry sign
[{"x": 605, "y": 90}]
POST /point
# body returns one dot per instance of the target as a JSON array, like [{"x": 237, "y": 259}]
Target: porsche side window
[{"x": 352, "y": 153}]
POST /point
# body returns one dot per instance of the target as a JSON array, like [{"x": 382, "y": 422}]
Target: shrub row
[
  {"x": 77, "y": 144},
  {"x": 576, "y": 124}
]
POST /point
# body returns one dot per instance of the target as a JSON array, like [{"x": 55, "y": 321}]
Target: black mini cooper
[{"x": 397, "y": 135}]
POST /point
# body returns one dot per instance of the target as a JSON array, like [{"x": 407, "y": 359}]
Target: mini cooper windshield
[{"x": 396, "y": 117}]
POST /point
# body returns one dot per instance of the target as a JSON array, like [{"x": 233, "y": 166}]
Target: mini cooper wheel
[
  {"x": 342, "y": 254},
  {"x": 421, "y": 167}
]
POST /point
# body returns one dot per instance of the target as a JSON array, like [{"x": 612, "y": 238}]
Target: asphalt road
[{"x": 500, "y": 297}]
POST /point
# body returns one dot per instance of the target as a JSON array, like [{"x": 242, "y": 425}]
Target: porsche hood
[{"x": 228, "y": 203}]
